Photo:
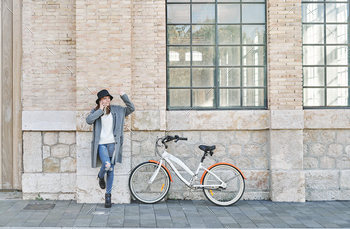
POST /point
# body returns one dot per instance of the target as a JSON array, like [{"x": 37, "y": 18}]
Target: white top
[{"x": 106, "y": 136}]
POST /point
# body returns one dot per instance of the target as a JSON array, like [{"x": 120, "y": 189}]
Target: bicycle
[{"x": 222, "y": 183}]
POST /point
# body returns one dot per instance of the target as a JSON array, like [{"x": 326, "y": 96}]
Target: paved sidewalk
[{"x": 176, "y": 214}]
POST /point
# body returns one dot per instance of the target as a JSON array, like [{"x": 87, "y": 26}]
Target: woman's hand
[
  {"x": 102, "y": 106},
  {"x": 120, "y": 91}
]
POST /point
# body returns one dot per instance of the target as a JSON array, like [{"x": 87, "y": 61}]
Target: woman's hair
[{"x": 108, "y": 109}]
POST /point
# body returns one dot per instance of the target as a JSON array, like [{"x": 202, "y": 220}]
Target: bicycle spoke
[{"x": 235, "y": 176}]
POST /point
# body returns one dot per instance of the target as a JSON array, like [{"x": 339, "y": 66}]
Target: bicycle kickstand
[{"x": 189, "y": 191}]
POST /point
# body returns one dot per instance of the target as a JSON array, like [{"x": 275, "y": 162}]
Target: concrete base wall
[{"x": 281, "y": 163}]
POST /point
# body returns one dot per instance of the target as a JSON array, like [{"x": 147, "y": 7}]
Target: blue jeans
[{"x": 105, "y": 151}]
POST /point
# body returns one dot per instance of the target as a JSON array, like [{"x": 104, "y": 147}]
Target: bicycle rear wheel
[
  {"x": 224, "y": 196},
  {"x": 144, "y": 191}
]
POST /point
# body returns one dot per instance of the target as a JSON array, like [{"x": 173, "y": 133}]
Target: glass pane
[
  {"x": 229, "y": 34},
  {"x": 229, "y": 77},
  {"x": 253, "y": 13},
  {"x": 203, "y": 34},
  {"x": 178, "y": 0},
  {"x": 312, "y": 12},
  {"x": 228, "y": 0},
  {"x": 253, "y": 0},
  {"x": 203, "y": 77},
  {"x": 203, "y": 13},
  {"x": 229, "y": 55},
  {"x": 313, "y": 34},
  {"x": 228, "y": 13},
  {"x": 177, "y": 56},
  {"x": 253, "y": 34},
  {"x": 313, "y": 76},
  {"x": 337, "y": 96},
  {"x": 179, "y": 77},
  {"x": 179, "y": 34},
  {"x": 337, "y": 55},
  {"x": 313, "y": 97},
  {"x": 253, "y": 77},
  {"x": 229, "y": 97},
  {"x": 178, "y": 13},
  {"x": 203, "y": 0},
  {"x": 203, "y": 56},
  {"x": 179, "y": 97},
  {"x": 253, "y": 55},
  {"x": 337, "y": 34},
  {"x": 337, "y": 12},
  {"x": 313, "y": 55},
  {"x": 203, "y": 97},
  {"x": 253, "y": 97},
  {"x": 337, "y": 76}
]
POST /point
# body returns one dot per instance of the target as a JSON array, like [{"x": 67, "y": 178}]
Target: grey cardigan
[{"x": 119, "y": 113}]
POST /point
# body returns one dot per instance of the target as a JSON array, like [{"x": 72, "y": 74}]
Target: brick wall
[
  {"x": 284, "y": 54},
  {"x": 149, "y": 54},
  {"x": 48, "y": 55},
  {"x": 103, "y": 49}
]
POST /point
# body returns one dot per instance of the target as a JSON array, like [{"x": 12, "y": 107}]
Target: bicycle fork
[{"x": 155, "y": 172}]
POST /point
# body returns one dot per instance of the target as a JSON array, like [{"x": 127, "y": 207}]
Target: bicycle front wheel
[
  {"x": 224, "y": 196},
  {"x": 142, "y": 189}
]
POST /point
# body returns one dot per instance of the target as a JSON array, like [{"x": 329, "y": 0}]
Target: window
[
  {"x": 326, "y": 53},
  {"x": 216, "y": 54}
]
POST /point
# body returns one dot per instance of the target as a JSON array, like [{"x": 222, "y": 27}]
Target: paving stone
[
  {"x": 66, "y": 222},
  {"x": 99, "y": 221},
  {"x": 179, "y": 214},
  {"x": 115, "y": 222}
]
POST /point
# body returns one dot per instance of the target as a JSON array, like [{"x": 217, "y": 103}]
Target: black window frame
[
  {"x": 217, "y": 66},
  {"x": 325, "y": 45}
]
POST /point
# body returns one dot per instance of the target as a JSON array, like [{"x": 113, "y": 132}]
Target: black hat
[{"x": 102, "y": 94}]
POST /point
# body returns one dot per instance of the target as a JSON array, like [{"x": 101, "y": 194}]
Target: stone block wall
[
  {"x": 49, "y": 164},
  {"x": 327, "y": 164},
  {"x": 248, "y": 150}
]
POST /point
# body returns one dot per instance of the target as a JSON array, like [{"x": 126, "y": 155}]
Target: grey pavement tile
[
  {"x": 310, "y": 223},
  {"x": 212, "y": 223},
  {"x": 66, "y": 223},
  {"x": 181, "y": 225},
  {"x": 82, "y": 223},
  {"x": 180, "y": 214},
  {"x": 115, "y": 222},
  {"x": 164, "y": 223},
  {"x": 20, "y": 219},
  {"x": 87, "y": 208},
  {"x": 225, "y": 220},
  {"x": 247, "y": 225},
  {"x": 264, "y": 225},
  {"x": 99, "y": 221},
  {"x": 5, "y": 205},
  {"x": 131, "y": 223},
  {"x": 36, "y": 218}
]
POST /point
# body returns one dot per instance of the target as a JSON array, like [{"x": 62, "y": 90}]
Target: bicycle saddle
[{"x": 206, "y": 148}]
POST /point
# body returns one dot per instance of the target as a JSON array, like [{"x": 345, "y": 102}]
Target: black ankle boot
[
  {"x": 108, "y": 202},
  {"x": 101, "y": 182}
]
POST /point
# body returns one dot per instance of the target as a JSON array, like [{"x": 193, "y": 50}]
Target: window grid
[
  {"x": 215, "y": 88},
  {"x": 321, "y": 93}
]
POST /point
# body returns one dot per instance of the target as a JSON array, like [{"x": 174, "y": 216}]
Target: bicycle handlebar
[{"x": 169, "y": 138}]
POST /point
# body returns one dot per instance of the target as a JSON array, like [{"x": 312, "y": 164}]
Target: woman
[{"x": 107, "y": 133}]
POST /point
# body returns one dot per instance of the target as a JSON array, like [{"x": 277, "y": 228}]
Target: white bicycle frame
[{"x": 169, "y": 157}]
